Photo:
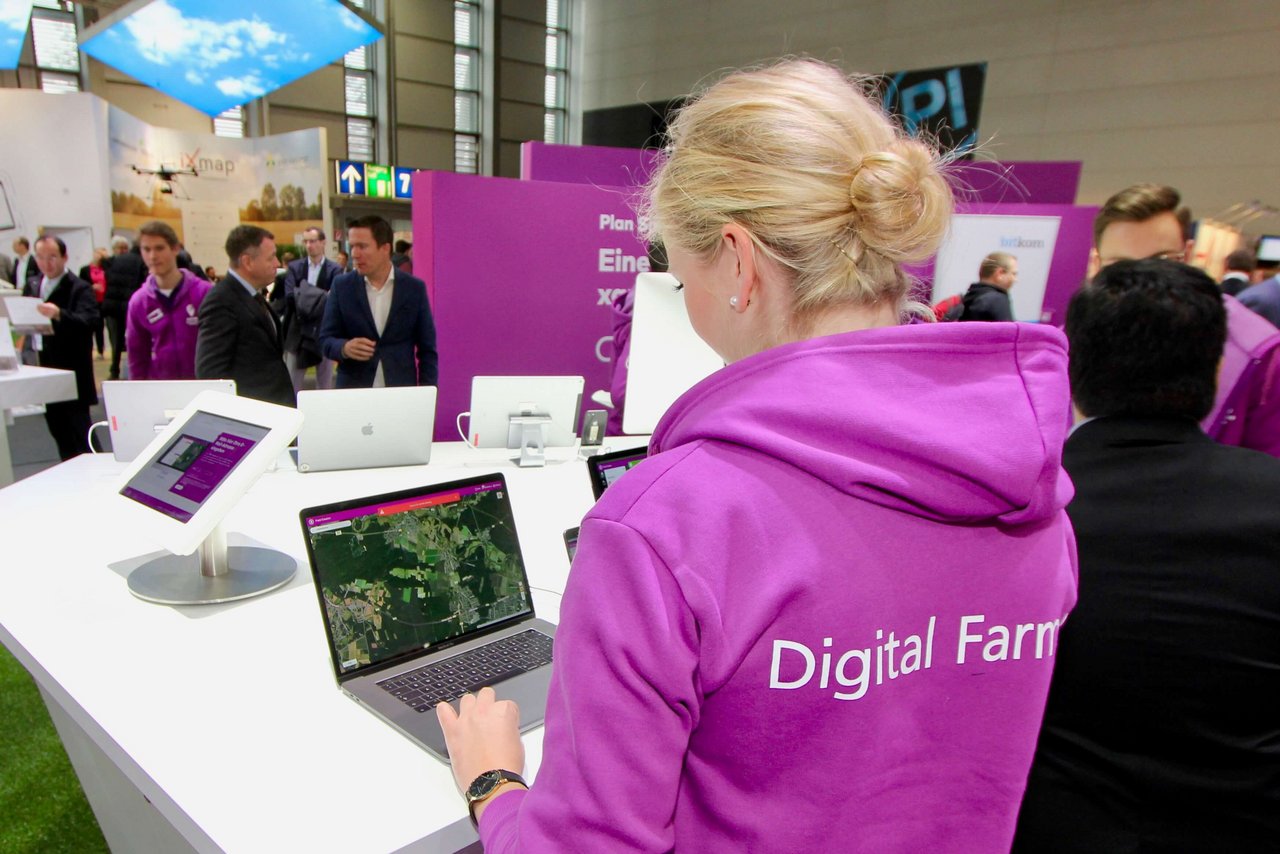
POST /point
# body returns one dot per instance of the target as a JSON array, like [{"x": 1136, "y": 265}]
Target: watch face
[{"x": 484, "y": 784}]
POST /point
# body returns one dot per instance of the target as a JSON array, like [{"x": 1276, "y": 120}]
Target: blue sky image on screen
[
  {"x": 218, "y": 54},
  {"x": 14, "y": 15}
]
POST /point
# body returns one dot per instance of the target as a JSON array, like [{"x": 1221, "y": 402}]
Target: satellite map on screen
[{"x": 409, "y": 579}]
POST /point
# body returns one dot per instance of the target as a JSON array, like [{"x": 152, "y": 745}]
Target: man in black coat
[
  {"x": 125, "y": 273},
  {"x": 988, "y": 298},
  {"x": 302, "y": 310},
  {"x": 73, "y": 312},
  {"x": 239, "y": 336},
  {"x": 1161, "y": 731}
]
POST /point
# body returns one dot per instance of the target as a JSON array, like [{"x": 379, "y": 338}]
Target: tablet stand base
[
  {"x": 528, "y": 433},
  {"x": 213, "y": 574}
]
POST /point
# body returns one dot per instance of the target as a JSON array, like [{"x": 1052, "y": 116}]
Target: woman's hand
[{"x": 483, "y": 735}]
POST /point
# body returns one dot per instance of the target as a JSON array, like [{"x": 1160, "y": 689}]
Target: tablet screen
[{"x": 207, "y": 448}]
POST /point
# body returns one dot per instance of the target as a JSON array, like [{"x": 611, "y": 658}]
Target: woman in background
[
  {"x": 821, "y": 616},
  {"x": 96, "y": 276}
]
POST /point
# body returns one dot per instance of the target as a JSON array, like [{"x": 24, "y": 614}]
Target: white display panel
[
  {"x": 667, "y": 356},
  {"x": 972, "y": 237}
]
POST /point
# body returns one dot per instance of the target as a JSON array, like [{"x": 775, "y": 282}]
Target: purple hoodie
[
  {"x": 160, "y": 332},
  {"x": 822, "y": 617}
]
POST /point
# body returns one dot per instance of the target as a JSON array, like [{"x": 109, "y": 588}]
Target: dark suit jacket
[
  {"x": 406, "y": 348},
  {"x": 70, "y": 347},
  {"x": 239, "y": 341},
  {"x": 125, "y": 274},
  {"x": 282, "y": 295},
  {"x": 1162, "y": 731}
]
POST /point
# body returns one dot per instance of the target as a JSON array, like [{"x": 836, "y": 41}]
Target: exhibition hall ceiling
[{"x": 218, "y": 54}]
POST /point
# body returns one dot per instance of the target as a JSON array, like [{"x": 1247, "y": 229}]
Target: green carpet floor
[{"x": 42, "y": 808}]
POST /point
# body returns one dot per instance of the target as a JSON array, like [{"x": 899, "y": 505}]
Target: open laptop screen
[{"x": 412, "y": 570}]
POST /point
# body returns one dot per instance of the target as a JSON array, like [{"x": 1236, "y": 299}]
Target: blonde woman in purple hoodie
[{"x": 822, "y": 615}]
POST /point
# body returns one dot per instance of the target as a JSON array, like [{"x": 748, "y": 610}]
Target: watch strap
[{"x": 498, "y": 776}]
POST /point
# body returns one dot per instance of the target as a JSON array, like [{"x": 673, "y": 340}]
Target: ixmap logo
[
  {"x": 207, "y": 165},
  {"x": 1020, "y": 243}
]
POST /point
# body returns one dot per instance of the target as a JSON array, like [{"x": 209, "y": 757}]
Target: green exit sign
[{"x": 377, "y": 181}]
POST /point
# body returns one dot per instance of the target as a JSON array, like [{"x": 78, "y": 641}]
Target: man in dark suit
[
  {"x": 73, "y": 313},
  {"x": 1161, "y": 732},
  {"x": 24, "y": 263},
  {"x": 239, "y": 336},
  {"x": 1238, "y": 273},
  {"x": 125, "y": 273},
  {"x": 313, "y": 271},
  {"x": 377, "y": 323}
]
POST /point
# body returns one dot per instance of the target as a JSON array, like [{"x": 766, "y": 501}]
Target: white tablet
[
  {"x": 191, "y": 475},
  {"x": 496, "y": 400}
]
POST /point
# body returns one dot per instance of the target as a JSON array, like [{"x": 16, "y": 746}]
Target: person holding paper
[{"x": 72, "y": 310}]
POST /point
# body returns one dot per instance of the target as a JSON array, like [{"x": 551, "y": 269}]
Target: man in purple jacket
[
  {"x": 163, "y": 318},
  {"x": 1141, "y": 222}
]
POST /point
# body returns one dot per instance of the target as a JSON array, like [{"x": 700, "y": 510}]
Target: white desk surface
[
  {"x": 30, "y": 384},
  {"x": 227, "y": 717}
]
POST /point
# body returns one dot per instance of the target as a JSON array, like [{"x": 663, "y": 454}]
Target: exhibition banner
[
  {"x": 943, "y": 104},
  {"x": 204, "y": 185},
  {"x": 521, "y": 275}
]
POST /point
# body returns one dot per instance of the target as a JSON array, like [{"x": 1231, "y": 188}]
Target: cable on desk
[
  {"x": 547, "y": 590},
  {"x": 92, "y": 449}
]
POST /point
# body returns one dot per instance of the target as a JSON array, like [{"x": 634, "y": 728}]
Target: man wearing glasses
[
  {"x": 303, "y": 310},
  {"x": 1142, "y": 222}
]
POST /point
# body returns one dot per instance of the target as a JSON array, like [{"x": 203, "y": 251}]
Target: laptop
[
  {"x": 138, "y": 410},
  {"x": 424, "y": 597},
  {"x": 364, "y": 428},
  {"x": 607, "y": 468}
]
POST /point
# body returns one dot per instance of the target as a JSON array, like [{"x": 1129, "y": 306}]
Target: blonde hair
[{"x": 826, "y": 184}]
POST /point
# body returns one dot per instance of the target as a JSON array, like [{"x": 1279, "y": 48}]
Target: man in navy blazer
[
  {"x": 312, "y": 269},
  {"x": 377, "y": 323}
]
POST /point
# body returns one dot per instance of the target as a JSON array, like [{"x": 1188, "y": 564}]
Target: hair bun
[{"x": 901, "y": 201}]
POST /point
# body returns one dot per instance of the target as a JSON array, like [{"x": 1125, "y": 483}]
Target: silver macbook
[
  {"x": 137, "y": 410},
  {"x": 424, "y": 598},
  {"x": 362, "y": 428}
]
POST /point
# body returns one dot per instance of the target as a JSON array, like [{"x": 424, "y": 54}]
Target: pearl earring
[{"x": 733, "y": 302}]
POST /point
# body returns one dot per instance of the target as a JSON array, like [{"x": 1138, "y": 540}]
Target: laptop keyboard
[{"x": 472, "y": 670}]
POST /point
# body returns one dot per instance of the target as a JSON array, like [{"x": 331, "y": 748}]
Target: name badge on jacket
[{"x": 155, "y": 316}]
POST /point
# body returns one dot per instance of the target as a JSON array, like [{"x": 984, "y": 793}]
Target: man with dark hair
[
  {"x": 239, "y": 336},
  {"x": 1238, "y": 275},
  {"x": 1159, "y": 734},
  {"x": 24, "y": 263},
  {"x": 1142, "y": 222},
  {"x": 988, "y": 298},
  {"x": 402, "y": 256},
  {"x": 125, "y": 271},
  {"x": 72, "y": 310},
  {"x": 306, "y": 287},
  {"x": 162, "y": 322},
  {"x": 377, "y": 323}
]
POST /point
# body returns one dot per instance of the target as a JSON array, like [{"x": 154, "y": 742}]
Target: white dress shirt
[{"x": 380, "y": 307}]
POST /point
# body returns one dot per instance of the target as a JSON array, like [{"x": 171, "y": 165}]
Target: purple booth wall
[
  {"x": 1019, "y": 182},
  {"x": 520, "y": 275}
]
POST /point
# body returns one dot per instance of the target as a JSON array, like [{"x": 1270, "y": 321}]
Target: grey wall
[{"x": 1182, "y": 92}]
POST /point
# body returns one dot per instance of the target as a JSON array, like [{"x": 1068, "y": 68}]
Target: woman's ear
[{"x": 738, "y": 253}]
